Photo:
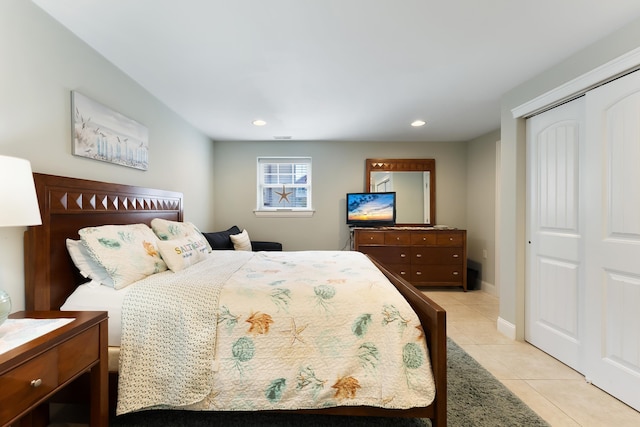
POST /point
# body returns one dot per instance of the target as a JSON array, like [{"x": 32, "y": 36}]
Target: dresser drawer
[
  {"x": 425, "y": 239},
  {"x": 403, "y": 270},
  {"x": 24, "y": 385},
  {"x": 389, "y": 255},
  {"x": 436, "y": 256},
  {"x": 78, "y": 354},
  {"x": 437, "y": 273},
  {"x": 449, "y": 239},
  {"x": 370, "y": 237},
  {"x": 395, "y": 238}
]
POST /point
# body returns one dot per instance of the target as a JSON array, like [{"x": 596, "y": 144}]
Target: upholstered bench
[{"x": 221, "y": 240}]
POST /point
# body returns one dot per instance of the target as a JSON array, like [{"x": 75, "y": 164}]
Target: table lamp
[{"x": 19, "y": 206}]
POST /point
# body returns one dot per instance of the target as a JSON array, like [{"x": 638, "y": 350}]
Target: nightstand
[{"x": 32, "y": 372}]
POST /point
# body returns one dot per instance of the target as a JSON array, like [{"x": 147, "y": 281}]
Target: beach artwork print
[{"x": 100, "y": 133}]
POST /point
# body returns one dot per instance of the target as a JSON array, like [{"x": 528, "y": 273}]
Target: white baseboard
[
  {"x": 489, "y": 288},
  {"x": 506, "y": 328}
]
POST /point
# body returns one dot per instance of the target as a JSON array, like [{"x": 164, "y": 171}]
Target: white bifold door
[
  {"x": 555, "y": 291},
  {"x": 583, "y": 225},
  {"x": 613, "y": 239}
]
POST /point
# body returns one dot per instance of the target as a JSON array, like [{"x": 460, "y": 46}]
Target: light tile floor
[{"x": 554, "y": 391}]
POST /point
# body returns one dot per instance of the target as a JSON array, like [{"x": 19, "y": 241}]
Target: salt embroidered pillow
[
  {"x": 183, "y": 252},
  {"x": 241, "y": 242},
  {"x": 127, "y": 252},
  {"x": 85, "y": 263},
  {"x": 168, "y": 230}
]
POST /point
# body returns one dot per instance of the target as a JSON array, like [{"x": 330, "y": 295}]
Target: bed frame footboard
[{"x": 434, "y": 322}]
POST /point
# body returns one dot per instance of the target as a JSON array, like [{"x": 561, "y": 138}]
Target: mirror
[{"x": 414, "y": 181}]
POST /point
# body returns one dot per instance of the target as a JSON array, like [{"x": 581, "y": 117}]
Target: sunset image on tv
[{"x": 371, "y": 207}]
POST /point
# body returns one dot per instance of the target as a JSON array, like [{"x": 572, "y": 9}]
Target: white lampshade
[{"x": 18, "y": 200}]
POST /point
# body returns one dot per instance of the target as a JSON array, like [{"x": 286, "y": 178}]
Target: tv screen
[{"x": 371, "y": 209}]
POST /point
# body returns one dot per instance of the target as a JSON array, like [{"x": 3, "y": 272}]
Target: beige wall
[
  {"x": 481, "y": 207},
  {"x": 41, "y": 63},
  {"x": 338, "y": 168},
  {"x": 513, "y": 144}
]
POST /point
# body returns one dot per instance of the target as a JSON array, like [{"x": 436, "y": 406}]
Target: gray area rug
[{"x": 475, "y": 399}]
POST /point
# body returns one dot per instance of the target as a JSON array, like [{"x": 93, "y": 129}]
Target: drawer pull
[
  {"x": 403, "y": 273},
  {"x": 403, "y": 255},
  {"x": 456, "y": 256},
  {"x": 397, "y": 238},
  {"x": 418, "y": 255},
  {"x": 418, "y": 273},
  {"x": 36, "y": 383},
  {"x": 455, "y": 273},
  {"x": 450, "y": 239},
  {"x": 371, "y": 238}
]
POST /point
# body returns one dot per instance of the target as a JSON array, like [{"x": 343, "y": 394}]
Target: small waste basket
[{"x": 473, "y": 275}]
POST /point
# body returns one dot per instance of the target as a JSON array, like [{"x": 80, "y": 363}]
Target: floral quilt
[{"x": 292, "y": 330}]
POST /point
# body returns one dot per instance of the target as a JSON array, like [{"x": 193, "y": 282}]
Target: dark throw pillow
[{"x": 220, "y": 240}]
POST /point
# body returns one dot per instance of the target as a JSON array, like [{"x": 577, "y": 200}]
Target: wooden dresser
[{"x": 424, "y": 256}]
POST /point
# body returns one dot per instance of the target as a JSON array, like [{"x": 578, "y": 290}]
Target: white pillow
[
  {"x": 241, "y": 242},
  {"x": 127, "y": 252},
  {"x": 183, "y": 252},
  {"x": 86, "y": 264},
  {"x": 167, "y": 230}
]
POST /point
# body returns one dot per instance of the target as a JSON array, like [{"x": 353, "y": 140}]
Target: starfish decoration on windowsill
[{"x": 284, "y": 195}]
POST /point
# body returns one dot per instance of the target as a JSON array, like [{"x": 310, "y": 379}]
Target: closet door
[
  {"x": 554, "y": 310},
  {"x": 613, "y": 235}
]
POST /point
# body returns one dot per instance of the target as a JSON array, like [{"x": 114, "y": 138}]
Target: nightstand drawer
[
  {"x": 24, "y": 385},
  {"x": 78, "y": 354}
]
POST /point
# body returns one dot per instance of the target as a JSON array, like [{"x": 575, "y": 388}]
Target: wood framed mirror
[{"x": 414, "y": 181}]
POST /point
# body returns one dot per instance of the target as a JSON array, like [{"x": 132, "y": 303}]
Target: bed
[{"x": 70, "y": 204}]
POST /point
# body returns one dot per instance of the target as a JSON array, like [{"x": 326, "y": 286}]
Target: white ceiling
[{"x": 338, "y": 69}]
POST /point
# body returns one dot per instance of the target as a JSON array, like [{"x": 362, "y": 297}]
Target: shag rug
[{"x": 475, "y": 399}]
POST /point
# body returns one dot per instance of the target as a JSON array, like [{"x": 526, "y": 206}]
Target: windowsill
[{"x": 284, "y": 213}]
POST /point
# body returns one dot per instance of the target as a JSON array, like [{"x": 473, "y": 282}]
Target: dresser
[
  {"x": 424, "y": 256},
  {"x": 37, "y": 369}
]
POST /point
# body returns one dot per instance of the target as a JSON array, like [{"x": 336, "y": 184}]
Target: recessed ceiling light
[
  {"x": 259, "y": 122},
  {"x": 418, "y": 123}
]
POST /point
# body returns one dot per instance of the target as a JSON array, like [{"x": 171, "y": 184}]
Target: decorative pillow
[
  {"x": 241, "y": 241},
  {"x": 168, "y": 230},
  {"x": 127, "y": 252},
  {"x": 183, "y": 252},
  {"x": 86, "y": 264},
  {"x": 222, "y": 239}
]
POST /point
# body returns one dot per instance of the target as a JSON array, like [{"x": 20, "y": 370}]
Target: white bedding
[
  {"x": 95, "y": 297},
  {"x": 301, "y": 313}
]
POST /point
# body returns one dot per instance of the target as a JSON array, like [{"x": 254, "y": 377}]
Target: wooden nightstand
[{"x": 33, "y": 372}]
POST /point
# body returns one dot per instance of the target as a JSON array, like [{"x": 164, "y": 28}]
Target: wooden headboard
[{"x": 66, "y": 206}]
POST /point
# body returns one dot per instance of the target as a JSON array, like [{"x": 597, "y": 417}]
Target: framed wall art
[{"x": 100, "y": 133}]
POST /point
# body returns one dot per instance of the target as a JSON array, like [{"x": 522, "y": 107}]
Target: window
[{"x": 284, "y": 184}]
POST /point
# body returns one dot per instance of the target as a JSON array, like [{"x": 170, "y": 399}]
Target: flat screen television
[{"x": 371, "y": 209}]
